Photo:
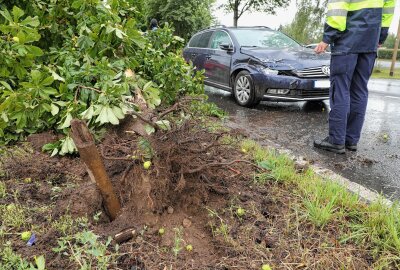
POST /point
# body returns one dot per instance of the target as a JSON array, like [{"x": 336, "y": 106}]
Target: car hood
[{"x": 288, "y": 59}]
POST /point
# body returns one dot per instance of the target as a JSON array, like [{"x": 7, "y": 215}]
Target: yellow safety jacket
[{"x": 357, "y": 26}]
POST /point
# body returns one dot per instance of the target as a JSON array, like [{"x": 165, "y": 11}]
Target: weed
[
  {"x": 249, "y": 145},
  {"x": 319, "y": 213},
  {"x": 3, "y": 190},
  {"x": 379, "y": 229},
  {"x": 218, "y": 229},
  {"x": 67, "y": 225},
  {"x": 228, "y": 140},
  {"x": 12, "y": 261},
  {"x": 13, "y": 216},
  {"x": 87, "y": 251},
  {"x": 177, "y": 241}
]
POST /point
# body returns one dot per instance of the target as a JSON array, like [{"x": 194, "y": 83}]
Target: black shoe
[
  {"x": 351, "y": 147},
  {"x": 326, "y": 145}
]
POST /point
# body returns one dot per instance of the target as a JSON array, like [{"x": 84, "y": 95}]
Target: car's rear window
[
  {"x": 201, "y": 40},
  {"x": 264, "y": 38},
  {"x": 194, "y": 42}
]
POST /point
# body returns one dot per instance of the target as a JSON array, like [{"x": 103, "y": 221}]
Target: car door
[
  {"x": 198, "y": 49},
  {"x": 218, "y": 62}
]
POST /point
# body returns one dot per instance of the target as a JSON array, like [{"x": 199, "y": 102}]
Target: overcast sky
[{"x": 283, "y": 16}]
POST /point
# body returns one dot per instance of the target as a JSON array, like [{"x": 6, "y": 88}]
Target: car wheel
[{"x": 243, "y": 90}]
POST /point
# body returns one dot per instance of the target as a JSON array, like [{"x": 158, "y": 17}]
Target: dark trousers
[{"x": 349, "y": 96}]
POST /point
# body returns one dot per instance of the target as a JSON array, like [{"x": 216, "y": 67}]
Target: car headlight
[{"x": 268, "y": 71}]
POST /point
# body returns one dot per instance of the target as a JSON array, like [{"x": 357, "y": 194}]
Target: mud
[{"x": 193, "y": 189}]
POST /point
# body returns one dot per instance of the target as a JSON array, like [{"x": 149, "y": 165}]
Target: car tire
[{"x": 244, "y": 90}]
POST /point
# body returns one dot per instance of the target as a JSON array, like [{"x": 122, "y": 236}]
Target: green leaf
[
  {"x": 266, "y": 164},
  {"x": 77, "y": 4},
  {"x": 6, "y": 15},
  {"x": 84, "y": 42},
  {"x": 118, "y": 112},
  {"x": 20, "y": 71},
  {"x": 119, "y": 33},
  {"x": 88, "y": 114},
  {"x": 36, "y": 76},
  {"x": 40, "y": 262},
  {"x": 71, "y": 145},
  {"x": 54, "y": 109},
  {"x": 6, "y": 85},
  {"x": 48, "y": 81},
  {"x": 35, "y": 51},
  {"x": 57, "y": 77},
  {"x": 31, "y": 21},
  {"x": 103, "y": 117},
  {"x": 46, "y": 107},
  {"x": 55, "y": 152},
  {"x": 67, "y": 121},
  {"x": 149, "y": 129},
  {"x": 164, "y": 124},
  {"x": 17, "y": 13},
  {"x": 111, "y": 117}
]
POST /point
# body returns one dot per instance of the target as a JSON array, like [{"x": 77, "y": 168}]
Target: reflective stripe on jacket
[{"x": 357, "y": 26}]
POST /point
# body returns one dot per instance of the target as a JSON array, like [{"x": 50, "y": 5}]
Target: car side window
[
  {"x": 205, "y": 39},
  {"x": 219, "y": 38},
  {"x": 194, "y": 42}
]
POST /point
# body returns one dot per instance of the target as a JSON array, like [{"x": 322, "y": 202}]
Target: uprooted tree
[{"x": 84, "y": 59}]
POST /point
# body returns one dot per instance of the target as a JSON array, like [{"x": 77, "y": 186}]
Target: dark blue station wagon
[{"x": 257, "y": 63}]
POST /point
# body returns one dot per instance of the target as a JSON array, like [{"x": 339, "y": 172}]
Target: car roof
[{"x": 216, "y": 27}]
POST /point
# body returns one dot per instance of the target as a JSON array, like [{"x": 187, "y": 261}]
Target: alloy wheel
[{"x": 243, "y": 89}]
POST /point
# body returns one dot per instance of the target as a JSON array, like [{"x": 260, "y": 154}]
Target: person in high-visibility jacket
[{"x": 354, "y": 29}]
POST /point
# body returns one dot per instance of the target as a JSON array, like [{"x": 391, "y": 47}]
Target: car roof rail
[{"x": 214, "y": 26}]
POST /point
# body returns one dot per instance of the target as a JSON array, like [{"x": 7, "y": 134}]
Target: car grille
[
  {"x": 316, "y": 72},
  {"x": 315, "y": 93}
]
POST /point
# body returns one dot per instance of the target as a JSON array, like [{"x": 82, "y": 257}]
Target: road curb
[{"x": 364, "y": 193}]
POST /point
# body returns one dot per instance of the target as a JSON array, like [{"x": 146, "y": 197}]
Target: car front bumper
[{"x": 294, "y": 89}]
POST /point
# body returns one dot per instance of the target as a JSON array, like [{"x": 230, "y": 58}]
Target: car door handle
[
  {"x": 194, "y": 54},
  {"x": 208, "y": 57}
]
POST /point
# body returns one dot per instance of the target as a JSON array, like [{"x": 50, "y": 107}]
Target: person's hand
[{"x": 321, "y": 47}]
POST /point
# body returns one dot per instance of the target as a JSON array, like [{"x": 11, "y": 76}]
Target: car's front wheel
[{"x": 243, "y": 90}]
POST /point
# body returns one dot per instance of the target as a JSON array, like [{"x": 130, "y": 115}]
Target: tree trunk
[
  {"x": 89, "y": 154},
  {"x": 236, "y": 13}
]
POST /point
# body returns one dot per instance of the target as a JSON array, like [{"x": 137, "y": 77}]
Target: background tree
[
  {"x": 239, "y": 7},
  {"x": 308, "y": 24},
  {"x": 186, "y": 16}
]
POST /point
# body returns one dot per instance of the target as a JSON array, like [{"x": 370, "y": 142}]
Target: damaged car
[{"x": 258, "y": 63}]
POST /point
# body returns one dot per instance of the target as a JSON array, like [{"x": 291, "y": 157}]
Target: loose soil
[{"x": 193, "y": 189}]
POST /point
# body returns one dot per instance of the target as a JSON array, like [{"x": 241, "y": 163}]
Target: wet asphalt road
[{"x": 295, "y": 126}]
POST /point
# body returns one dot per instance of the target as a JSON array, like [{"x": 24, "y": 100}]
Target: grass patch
[
  {"x": 67, "y": 225},
  {"x": 3, "y": 190},
  {"x": 383, "y": 73},
  {"x": 375, "y": 226},
  {"x": 13, "y": 216}
]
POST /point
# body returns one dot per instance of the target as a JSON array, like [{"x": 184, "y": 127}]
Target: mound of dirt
[{"x": 192, "y": 192}]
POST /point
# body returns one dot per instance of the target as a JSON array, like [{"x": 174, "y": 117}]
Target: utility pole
[{"x": 396, "y": 48}]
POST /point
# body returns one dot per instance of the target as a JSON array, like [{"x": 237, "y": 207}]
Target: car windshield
[{"x": 264, "y": 38}]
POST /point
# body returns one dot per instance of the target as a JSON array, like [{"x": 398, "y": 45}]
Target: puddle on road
[{"x": 296, "y": 125}]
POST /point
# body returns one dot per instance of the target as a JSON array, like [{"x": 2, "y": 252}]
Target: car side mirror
[{"x": 226, "y": 47}]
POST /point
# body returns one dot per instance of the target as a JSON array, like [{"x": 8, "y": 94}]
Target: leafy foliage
[
  {"x": 187, "y": 16},
  {"x": 87, "y": 251},
  {"x": 74, "y": 58},
  {"x": 239, "y": 7},
  {"x": 307, "y": 26}
]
